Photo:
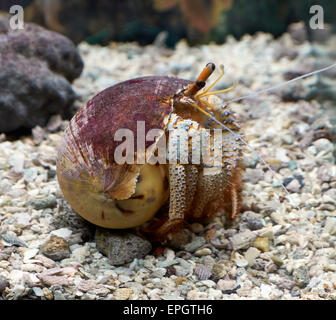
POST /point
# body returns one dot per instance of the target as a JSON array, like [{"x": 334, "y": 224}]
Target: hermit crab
[{"x": 185, "y": 164}]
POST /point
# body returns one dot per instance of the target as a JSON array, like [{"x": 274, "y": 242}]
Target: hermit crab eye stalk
[
  {"x": 196, "y": 86},
  {"x": 201, "y": 80}
]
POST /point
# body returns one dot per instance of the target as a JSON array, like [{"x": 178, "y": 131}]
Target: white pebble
[
  {"x": 330, "y": 225},
  {"x": 62, "y": 233}
]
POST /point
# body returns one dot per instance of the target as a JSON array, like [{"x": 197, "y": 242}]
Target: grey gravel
[
  {"x": 301, "y": 277},
  {"x": 202, "y": 272},
  {"x": 196, "y": 243},
  {"x": 13, "y": 240},
  {"x": 48, "y": 202},
  {"x": 218, "y": 259},
  {"x": 3, "y": 283},
  {"x": 121, "y": 248}
]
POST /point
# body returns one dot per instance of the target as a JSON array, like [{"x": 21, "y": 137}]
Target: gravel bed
[{"x": 274, "y": 250}]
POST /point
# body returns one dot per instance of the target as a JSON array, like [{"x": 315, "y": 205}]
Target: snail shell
[{"x": 97, "y": 188}]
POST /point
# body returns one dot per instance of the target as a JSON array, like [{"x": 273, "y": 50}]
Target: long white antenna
[
  {"x": 259, "y": 156},
  {"x": 237, "y": 136},
  {"x": 254, "y": 94}
]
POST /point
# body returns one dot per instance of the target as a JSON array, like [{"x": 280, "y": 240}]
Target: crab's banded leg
[
  {"x": 232, "y": 195},
  {"x": 191, "y": 178},
  {"x": 181, "y": 195},
  {"x": 178, "y": 191},
  {"x": 209, "y": 188}
]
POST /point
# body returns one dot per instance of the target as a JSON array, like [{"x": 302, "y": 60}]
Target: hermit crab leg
[
  {"x": 177, "y": 201},
  {"x": 207, "y": 191},
  {"x": 234, "y": 193},
  {"x": 178, "y": 191},
  {"x": 183, "y": 183},
  {"x": 192, "y": 178}
]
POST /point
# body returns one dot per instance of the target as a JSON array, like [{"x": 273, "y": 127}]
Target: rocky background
[
  {"x": 168, "y": 21},
  {"x": 274, "y": 250},
  {"x": 37, "y": 67}
]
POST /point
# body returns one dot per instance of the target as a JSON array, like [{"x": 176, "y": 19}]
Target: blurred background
[
  {"x": 99, "y": 43},
  {"x": 168, "y": 21}
]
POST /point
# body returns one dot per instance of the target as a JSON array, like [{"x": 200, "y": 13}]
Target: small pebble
[
  {"x": 202, "y": 272},
  {"x": 158, "y": 273},
  {"x": 29, "y": 253},
  {"x": 196, "y": 227},
  {"x": 17, "y": 161},
  {"x": 277, "y": 260},
  {"x": 254, "y": 223},
  {"x": 330, "y": 225},
  {"x": 38, "y": 291},
  {"x": 62, "y": 233},
  {"x": 292, "y": 165},
  {"x": 48, "y": 294},
  {"x": 293, "y": 186},
  {"x": 44, "y": 203},
  {"x": 262, "y": 244},
  {"x": 251, "y": 254},
  {"x": 122, "y": 294},
  {"x": 3, "y": 284},
  {"x": 13, "y": 240},
  {"x": 121, "y": 248},
  {"x": 56, "y": 248},
  {"x": 240, "y": 260},
  {"x": 301, "y": 277},
  {"x": 219, "y": 270},
  {"x": 323, "y": 145},
  {"x": 243, "y": 239},
  {"x": 202, "y": 252},
  {"x": 226, "y": 285},
  {"x": 196, "y": 243}
]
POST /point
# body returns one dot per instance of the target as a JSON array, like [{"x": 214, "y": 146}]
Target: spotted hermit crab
[{"x": 114, "y": 188}]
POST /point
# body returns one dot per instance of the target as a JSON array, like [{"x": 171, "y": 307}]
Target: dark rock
[
  {"x": 254, "y": 223},
  {"x": 56, "y": 248},
  {"x": 36, "y": 68},
  {"x": 121, "y": 248}
]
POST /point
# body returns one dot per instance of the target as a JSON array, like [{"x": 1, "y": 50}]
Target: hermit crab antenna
[{"x": 201, "y": 79}]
